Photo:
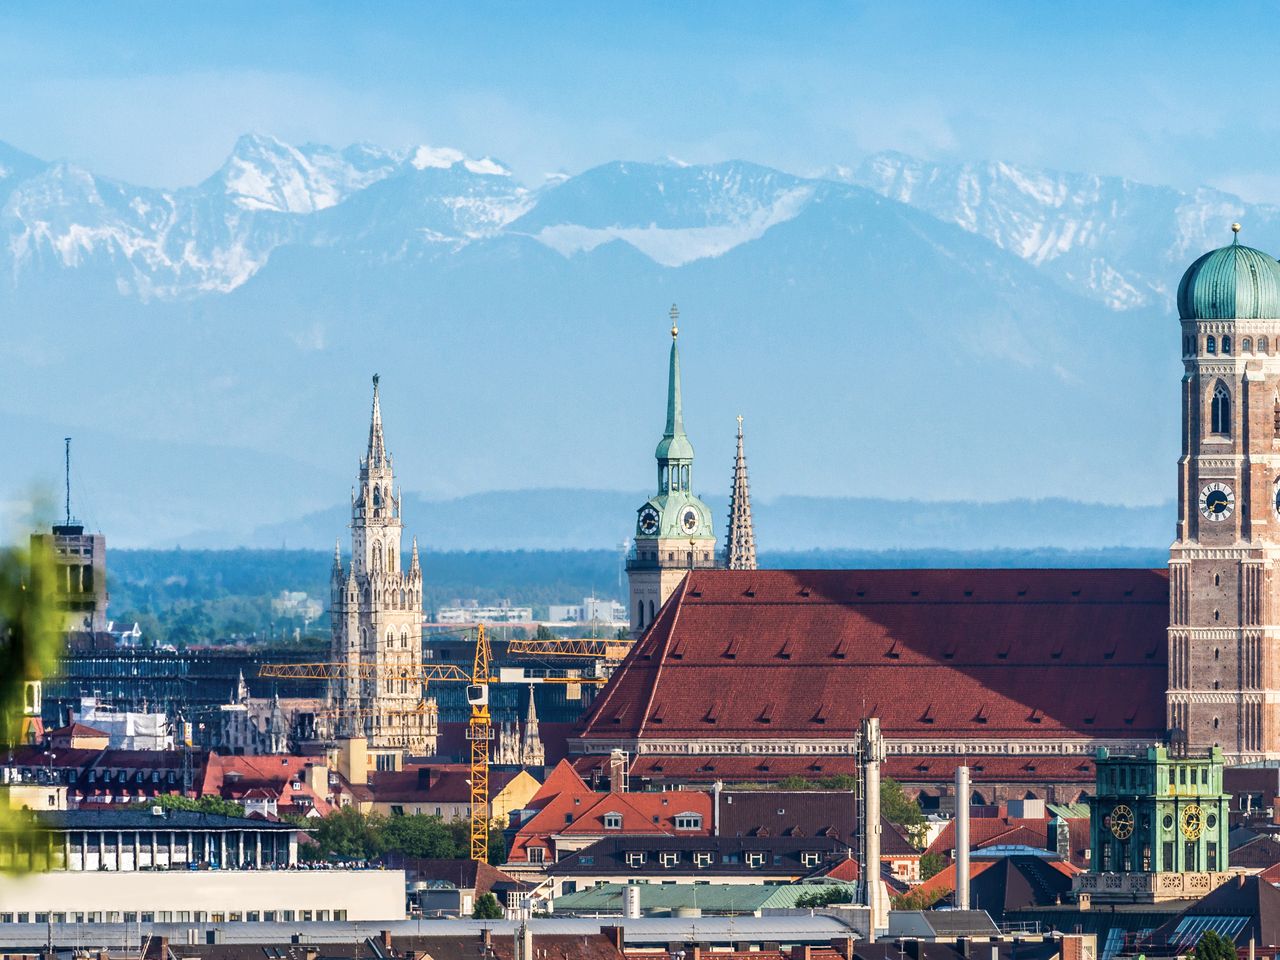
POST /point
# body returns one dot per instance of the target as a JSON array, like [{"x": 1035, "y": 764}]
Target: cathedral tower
[
  {"x": 673, "y": 527},
  {"x": 376, "y": 610},
  {"x": 1224, "y": 594},
  {"x": 740, "y": 539}
]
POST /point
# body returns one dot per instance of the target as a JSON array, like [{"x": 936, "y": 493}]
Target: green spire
[{"x": 674, "y": 444}]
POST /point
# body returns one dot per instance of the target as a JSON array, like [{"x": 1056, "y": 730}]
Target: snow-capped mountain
[
  {"x": 212, "y": 238},
  {"x": 522, "y": 329},
  {"x": 1112, "y": 239}
]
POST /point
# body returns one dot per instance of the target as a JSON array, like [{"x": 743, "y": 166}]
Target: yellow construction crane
[
  {"x": 479, "y": 733},
  {"x": 587, "y": 648},
  {"x": 479, "y": 727}
]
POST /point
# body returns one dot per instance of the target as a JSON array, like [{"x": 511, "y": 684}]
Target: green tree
[
  {"x": 931, "y": 864},
  {"x": 917, "y": 899},
  {"x": 830, "y": 893},
  {"x": 497, "y": 847},
  {"x": 795, "y": 782},
  {"x": 30, "y": 643},
  {"x": 418, "y": 835},
  {"x": 487, "y": 908},
  {"x": 899, "y": 808},
  {"x": 1214, "y": 946},
  {"x": 206, "y": 804},
  {"x": 347, "y": 834}
]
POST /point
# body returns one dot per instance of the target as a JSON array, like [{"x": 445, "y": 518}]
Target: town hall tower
[{"x": 376, "y": 610}]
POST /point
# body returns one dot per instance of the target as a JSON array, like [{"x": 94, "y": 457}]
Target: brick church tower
[
  {"x": 1224, "y": 593},
  {"x": 673, "y": 528},
  {"x": 376, "y": 609}
]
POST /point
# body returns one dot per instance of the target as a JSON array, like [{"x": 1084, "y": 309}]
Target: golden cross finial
[{"x": 675, "y": 315}]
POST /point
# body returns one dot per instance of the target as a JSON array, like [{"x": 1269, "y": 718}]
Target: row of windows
[
  {"x": 173, "y": 916},
  {"x": 684, "y": 821},
  {"x": 1212, "y": 345}
]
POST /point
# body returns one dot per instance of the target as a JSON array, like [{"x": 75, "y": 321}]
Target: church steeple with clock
[
  {"x": 1224, "y": 591},
  {"x": 673, "y": 527}
]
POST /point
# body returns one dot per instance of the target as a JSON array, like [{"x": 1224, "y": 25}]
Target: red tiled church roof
[{"x": 932, "y": 653}]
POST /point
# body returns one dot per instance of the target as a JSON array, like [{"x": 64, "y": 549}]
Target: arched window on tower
[
  {"x": 1246, "y": 345},
  {"x": 1220, "y": 410},
  {"x": 1262, "y": 344},
  {"x": 651, "y": 611},
  {"x": 1210, "y": 345},
  {"x": 1226, "y": 344},
  {"x": 639, "y": 614}
]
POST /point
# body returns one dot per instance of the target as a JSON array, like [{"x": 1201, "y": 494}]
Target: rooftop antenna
[{"x": 67, "y": 457}]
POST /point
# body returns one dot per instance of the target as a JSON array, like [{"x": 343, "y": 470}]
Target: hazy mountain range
[{"x": 902, "y": 330}]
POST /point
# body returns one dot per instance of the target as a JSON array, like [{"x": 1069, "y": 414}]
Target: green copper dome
[{"x": 1231, "y": 283}]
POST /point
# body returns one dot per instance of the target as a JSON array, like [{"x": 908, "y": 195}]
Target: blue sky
[{"x": 157, "y": 93}]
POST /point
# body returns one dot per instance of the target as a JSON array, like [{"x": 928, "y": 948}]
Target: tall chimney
[
  {"x": 716, "y": 788},
  {"x": 962, "y": 838},
  {"x": 617, "y": 771},
  {"x": 871, "y": 747}
]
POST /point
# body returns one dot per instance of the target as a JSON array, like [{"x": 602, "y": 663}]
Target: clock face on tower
[
  {"x": 1121, "y": 822},
  {"x": 1217, "y": 501},
  {"x": 1278, "y": 498},
  {"x": 648, "y": 524},
  {"x": 1191, "y": 822},
  {"x": 689, "y": 520}
]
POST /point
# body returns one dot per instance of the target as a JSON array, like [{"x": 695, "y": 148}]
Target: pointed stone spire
[
  {"x": 532, "y": 752},
  {"x": 740, "y": 541},
  {"x": 242, "y": 690},
  {"x": 337, "y": 555},
  {"x": 377, "y": 447},
  {"x": 414, "y": 565}
]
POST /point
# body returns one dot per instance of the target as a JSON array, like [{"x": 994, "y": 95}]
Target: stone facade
[
  {"x": 376, "y": 609},
  {"x": 1224, "y": 595}
]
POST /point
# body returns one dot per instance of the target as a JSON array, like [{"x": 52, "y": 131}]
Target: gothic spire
[
  {"x": 740, "y": 541},
  {"x": 413, "y": 562},
  {"x": 337, "y": 554},
  {"x": 377, "y": 448}
]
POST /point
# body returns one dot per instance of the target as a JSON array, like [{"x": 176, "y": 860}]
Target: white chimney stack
[{"x": 962, "y": 838}]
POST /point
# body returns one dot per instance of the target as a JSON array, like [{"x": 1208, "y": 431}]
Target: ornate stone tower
[
  {"x": 740, "y": 540},
  {"x": 673, "y": 527},
  {"x": 376, "y": 609},
  {"x": 1224, "y": 612}
]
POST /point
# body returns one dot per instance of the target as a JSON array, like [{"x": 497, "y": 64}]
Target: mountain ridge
[{"x": 521, "y": 331}]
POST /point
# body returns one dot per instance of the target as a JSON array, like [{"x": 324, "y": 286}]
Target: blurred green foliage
[{"x": 30, "y": 642}]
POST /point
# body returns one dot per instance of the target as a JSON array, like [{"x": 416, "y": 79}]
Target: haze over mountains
[{"x": 903, "y": 330}]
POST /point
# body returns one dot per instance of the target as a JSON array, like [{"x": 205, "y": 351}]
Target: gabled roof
[
  {"x": 932, "y": 653},
  {"x": 462, "y": 874},
  {"x": 1250, "y": 901},
  {"x": 563, "y": 779},
  {"x": 787, "y": 813},
  {"x": 988, "y": 831},
  {"x": 578, "y": 813},
  {"x": 1007, "y": 883},
  {"x": 77, "y": 729},
  {"x": 438, "y": 784}
]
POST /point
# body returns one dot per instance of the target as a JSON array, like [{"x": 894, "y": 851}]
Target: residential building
[{"x": 661, "y": 858}]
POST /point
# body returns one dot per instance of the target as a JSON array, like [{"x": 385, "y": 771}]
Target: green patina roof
[
  {"x": 1231, "y": 283},
  {"x": 674, "y": 445}
]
